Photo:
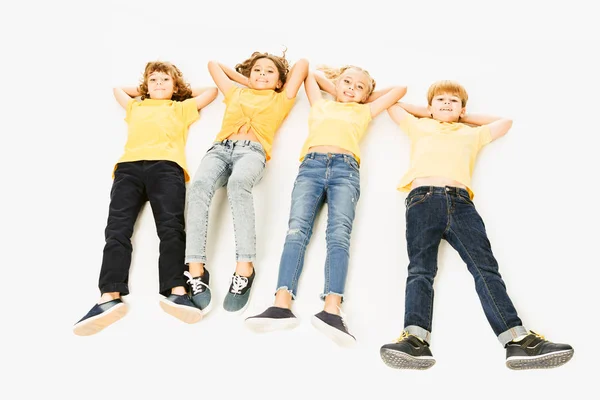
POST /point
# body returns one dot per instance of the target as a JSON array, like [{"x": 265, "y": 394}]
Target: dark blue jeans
[
  {"x": 335, "y": 179},
  {"x": 436, "y": 213},
  {"x": 163, "y": 184}
]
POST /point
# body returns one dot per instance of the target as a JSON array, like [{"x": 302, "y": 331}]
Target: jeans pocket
[
  {"x": 465, "y": 199},
  {"x": 416, "y": 199}
]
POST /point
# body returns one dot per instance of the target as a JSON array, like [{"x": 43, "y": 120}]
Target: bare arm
[
  {"x": 204, "y": 96},
  {"x": 124, "y": 94},
  {"x": 400, "y": 110},
  {"x": 296, "y": 76},
  {"x": 386, "y": 98},
  {"x": 324, "y": 83},
  {"x": 498, "y": 126},
  {"x": 221, "y": 75},
  {"x": 313, "y": 91}
]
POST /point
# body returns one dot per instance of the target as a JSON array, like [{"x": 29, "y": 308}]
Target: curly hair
[
  {"x": 334, "y": 74},
  {"x": 181, "y": 90},
  {"x": 450, "y": 87},
  {"x": 282, "y": 65}
]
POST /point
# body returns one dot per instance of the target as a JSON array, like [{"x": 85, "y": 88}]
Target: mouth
[
  {"x": 349, "y": 94},
  {"x": 262, "y": 81},
  {"x": 446, "y": 109}
]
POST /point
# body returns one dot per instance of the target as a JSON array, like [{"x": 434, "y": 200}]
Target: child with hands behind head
[
  {"x": 153, "y": 168},
  {"x": 329, "y": 173}
]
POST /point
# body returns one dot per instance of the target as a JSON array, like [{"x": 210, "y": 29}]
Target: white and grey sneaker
[{"x": 200, "y": 291}]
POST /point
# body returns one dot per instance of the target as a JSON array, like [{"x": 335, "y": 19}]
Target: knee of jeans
[
  {"x": 296, "y": 234},
  {"x": 200, "y": 187},
  {"x": 240, "y": 183}
]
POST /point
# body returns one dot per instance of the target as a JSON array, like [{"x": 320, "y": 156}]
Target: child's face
[
  {"x": 446, "y": 107},
  {"x": 264, "y": 75},
  {"x": 352, "y": 86},
  {"x": 160, "y": 86}
]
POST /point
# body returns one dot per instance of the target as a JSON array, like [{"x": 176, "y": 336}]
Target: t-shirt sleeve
[
  {"x": 407, "y": 123},
  {"x": 229, "y": 94},
  {"x": 285, "y": 103},
  {"x": 484, "y": 134},
  {"x": 366, "y": 109},
  {"x": 189, "y": 111},
  {"x": 129, "y": 109}
]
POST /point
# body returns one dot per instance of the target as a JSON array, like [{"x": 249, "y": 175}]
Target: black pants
[{"x": 163, "y": 184}]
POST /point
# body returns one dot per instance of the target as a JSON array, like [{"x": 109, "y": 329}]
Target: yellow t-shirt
[
  {"x": 442, "y": 149},
  {"x": 331, "y": 123},
  {"x": 158, "y": 130},
  {"x": 261, "y": 110}
]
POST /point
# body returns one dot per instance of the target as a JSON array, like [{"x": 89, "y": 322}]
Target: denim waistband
[
  {"x": 451, "y": 190},
  {"x": 324, "y": 156},
  {"x": 242, "y": 143}
]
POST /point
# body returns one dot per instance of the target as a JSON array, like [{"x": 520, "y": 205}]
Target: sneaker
[
  {"x": 99, "y": 317},
  {"x": 181, "y": 307},
  {"x": 236, "y": 299},
  {"x": 534, "y": 351},
  {"x": 407, "y": 352},
  {"x": 273, "y": 319},
  {"x": 334, "y": 327},
  {"x": 200, "y": 291}
]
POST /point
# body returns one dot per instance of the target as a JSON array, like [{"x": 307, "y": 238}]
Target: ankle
[
  {"x": 244, "y": 268},
  {"x": 196, "y": 269},
  {"x": 283, "y": 299},
  {"x": 109, "y": 296},
  {"x": 178, "y": 290}
]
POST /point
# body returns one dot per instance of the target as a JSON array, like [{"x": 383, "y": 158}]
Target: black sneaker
[
  {"x": 200, "y": 291},
  {"x": 236, "y": 299},
  {"x": 181, "y": 307},
  {"x": 272, "y": 319},
  {"x": 407, "y": 352},
  {"x": 534, "y": 351},
  {"x": 334, "y": 327},
  {"x": 99, "y": 317}
]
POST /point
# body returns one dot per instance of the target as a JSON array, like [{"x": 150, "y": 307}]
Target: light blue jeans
[
  {"x": 335, "y": 179},
  {"x": 238, "y": 164}
]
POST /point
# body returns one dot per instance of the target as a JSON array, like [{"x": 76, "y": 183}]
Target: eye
[
  {"x": 346, "y": 81},
  {"x": 454, "y": 101},
  {"x": 360, "y": 87},
  {"x": 152, "y": 79}
]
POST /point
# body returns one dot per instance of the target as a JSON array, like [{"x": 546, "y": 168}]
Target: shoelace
[
  {"x": 405, "y": 335},
  {"x": 238, "y": 283},
  {"x": 343, "y": 316},
  {"x": 195, "y": 283},
  {"x": 537, "y": 335}
]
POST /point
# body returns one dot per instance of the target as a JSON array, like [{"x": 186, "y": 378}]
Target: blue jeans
[
  {"x": 239, "y": 164},
  {"x": 436, "y": 213},
  {"x": 331, "y": 178}
]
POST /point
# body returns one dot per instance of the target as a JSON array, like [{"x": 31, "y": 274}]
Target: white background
[{"x": 535, "y": 189}]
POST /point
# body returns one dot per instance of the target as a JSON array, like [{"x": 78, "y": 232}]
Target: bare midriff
[
  {"x": 245, "y": 133},
  {"x": 328, "y": 149},
  {"x": 436, "y": 181}
]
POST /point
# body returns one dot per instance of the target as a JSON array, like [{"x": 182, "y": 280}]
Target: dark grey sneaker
[
  {"x": 407, "y": 352},
  {"x": 181, "y": 307},
  {"x": 200, "y": 291},
  {"x": 236, "y": 299},
  {"x": 272, "y": 319},
  {"x": 534, "y": 352},
  {"x": 334, "y": 327},
  {"x": 99, "y": 317}
]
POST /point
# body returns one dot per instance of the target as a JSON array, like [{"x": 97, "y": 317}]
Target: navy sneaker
[
  {"x": 534, "y": 351},
  {"x": 200, "y": 291},
  {"x": 237, "y": 297},
  {"x": 334, "y": 327},
  {"x": 99, "y": 317},
  {"x": 407, "y": 352},
  {"x": 181, "y": 307},
  {"x": 272, "y": 319}
]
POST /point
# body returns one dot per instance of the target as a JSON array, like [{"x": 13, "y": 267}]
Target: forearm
[
  {"x": 324, "y": 83},
  {"x": 417, "y": 111},
  {"x": 132, "y": 91},
  {"x": 377, "y": 94},
  {"x": 234, "y": 75},
  {"x": 479, "y": 119},
  {"x": 197, "y": 91}
]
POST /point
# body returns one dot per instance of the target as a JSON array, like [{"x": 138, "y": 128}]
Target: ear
[
  {"x": 463, "y": 111},
  {"x": 279, "y": 84},
  {"x": 429, "y": 111}
]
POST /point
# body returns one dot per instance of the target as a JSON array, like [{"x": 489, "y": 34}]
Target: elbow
[{"x": 509, "y": 124}]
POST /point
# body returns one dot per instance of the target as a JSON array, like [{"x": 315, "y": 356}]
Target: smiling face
[
  {"x": 446, "y": 107},
  {"x": 160, "y": 86},
  {"x": 352, "y": 86},
  {"x": 264, "y": 75}
]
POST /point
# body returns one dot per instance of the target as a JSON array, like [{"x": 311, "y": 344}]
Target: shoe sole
[
  {"x": 263, "y": 325},
  {"x": 95, "y": 324},
  {"x": 544, "y": 361},
  {"x": 183, "y": 313},
  {"x": 339, "y": 337},
  {"x": 400, "y": 360}
]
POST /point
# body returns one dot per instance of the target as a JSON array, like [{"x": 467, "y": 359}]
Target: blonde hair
[
  {"x": 450, "y": 87},
  {"x": 282, "y": 65},
  {"x": 181, "y": 90},
  {"x": 334, "y": 74}
]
